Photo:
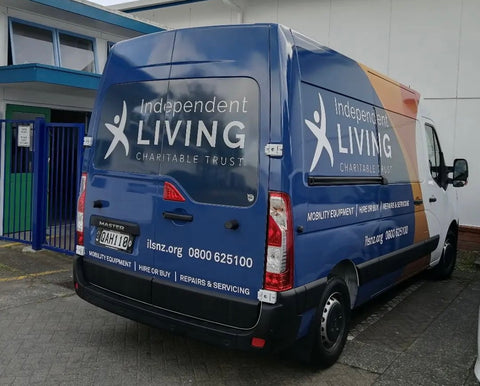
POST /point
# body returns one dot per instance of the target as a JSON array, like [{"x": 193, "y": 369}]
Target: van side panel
[
  {"x": 359, "y": 173},
  {"x": 401, "y": 105}
]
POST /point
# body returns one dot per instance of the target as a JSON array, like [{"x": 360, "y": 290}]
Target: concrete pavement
[{"x": 422, "y": 333}]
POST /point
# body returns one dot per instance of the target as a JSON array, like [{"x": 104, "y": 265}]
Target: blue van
[{"x": 247, "y": 186}]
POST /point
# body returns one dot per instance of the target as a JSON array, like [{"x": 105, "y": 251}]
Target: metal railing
[{"x": 41, "y": 172}]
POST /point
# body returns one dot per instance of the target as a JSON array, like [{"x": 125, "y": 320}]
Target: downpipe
[{"x": 235, "y": 8}]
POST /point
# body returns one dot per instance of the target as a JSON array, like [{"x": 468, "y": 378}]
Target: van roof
[{"x": 213, "y": 44}]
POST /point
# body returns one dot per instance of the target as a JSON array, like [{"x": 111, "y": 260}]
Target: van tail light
[
  {"x": 171, "y": 193},
  {"x": 81, "y": 209},
  {"x": 279, "y": 256}
]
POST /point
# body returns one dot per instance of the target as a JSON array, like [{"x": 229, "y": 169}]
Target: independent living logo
[
  {"x": 118, "y": 131},
  {"x": 319, "y": 130}
]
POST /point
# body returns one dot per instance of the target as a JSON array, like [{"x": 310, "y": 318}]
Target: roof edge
[
  {"x": 103, "y": 14},
  {"x": 42, "y": 73},
  {"x": 148, "y": 5}
]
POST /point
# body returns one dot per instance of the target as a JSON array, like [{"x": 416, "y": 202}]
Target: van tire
[
  {"x": 331, "y": 324},
  {"x": 444, "y": 269}
]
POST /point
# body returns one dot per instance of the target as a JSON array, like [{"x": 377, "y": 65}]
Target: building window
[
  {"x": 37, "y": 44},
  {"x": 32, "y": 44},
  {"x": 76, "y": 53}
]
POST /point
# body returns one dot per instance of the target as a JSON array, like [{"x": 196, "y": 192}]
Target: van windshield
[{"x": 201, "y": 132}]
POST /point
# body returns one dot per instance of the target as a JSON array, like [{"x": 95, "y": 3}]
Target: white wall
[
  {"x": 194, "y": 14},
  {"x": 3, "y": 36},
  {"x": 430, "y": 45},
  {"x": 59, "y": 97}
]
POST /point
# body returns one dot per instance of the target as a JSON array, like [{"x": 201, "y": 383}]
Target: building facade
[
  {"x": 52, "y": 54},
  {"x": 430, "y": 45}
]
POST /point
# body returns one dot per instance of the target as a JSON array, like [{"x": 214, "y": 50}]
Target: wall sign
[{"x": 24, "y": 135}]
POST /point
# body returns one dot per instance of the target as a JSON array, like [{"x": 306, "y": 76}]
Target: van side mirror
[{"x": 460, "y": 173}]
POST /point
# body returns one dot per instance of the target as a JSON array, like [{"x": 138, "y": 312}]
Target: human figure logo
[
  {"x": 117, "y": 131},
  {"x": 320, "y": 132}
]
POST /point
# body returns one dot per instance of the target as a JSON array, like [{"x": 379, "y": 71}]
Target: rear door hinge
[{"x": 274, "y": 149}]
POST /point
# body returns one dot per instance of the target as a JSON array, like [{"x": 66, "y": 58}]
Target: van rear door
[{"x": 178, "y": 163}]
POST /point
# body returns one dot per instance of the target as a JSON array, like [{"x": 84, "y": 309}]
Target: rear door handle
[
  {"x": 418, "y": 202},
  {"x": 178, "y": 216}
]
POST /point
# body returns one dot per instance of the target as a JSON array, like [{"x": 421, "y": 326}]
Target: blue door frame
[{"x": 56, "y": 168}]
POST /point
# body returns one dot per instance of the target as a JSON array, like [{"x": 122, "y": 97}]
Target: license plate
[{"x": 114, "y": 239}]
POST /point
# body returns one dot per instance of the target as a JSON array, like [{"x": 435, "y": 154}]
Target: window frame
[
  {"x": 35, "y": 25},
  {"x": 55, "y": 40},
  {"x": 94, "y": 47},
  {"x": 440, "y": 178}
]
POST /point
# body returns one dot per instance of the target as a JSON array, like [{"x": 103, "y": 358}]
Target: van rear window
[{"x": 202, "y": 132}]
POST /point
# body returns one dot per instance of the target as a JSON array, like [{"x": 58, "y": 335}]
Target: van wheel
[
  {"x": 331, "y": 324},
  {"x": 444, "y": 269}
]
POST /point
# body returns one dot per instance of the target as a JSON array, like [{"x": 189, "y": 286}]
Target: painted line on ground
[
  {"x": 32, "y": 275},
  {"x": 9, "y": 245}
]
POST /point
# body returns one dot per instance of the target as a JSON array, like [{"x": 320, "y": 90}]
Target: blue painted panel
[
  {"x": 326, "y": 68},
  {"x": 337, "y": 131},
  {"x": 41, "y": 73},
  {"x": 202, "y": 253}
]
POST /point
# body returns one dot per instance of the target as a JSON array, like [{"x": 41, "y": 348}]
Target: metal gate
[{"x": 41, "y": 172}]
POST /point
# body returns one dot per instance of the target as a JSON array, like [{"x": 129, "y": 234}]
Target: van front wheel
[
  {"x": 331, "y": 324},
  {"x": 444, "y": 269}
]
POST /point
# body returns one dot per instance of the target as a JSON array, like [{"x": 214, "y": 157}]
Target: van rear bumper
[{"x": 279, "y": 324}]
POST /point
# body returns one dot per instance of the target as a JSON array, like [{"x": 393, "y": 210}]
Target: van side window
[{"x": 434, "y": 154}]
